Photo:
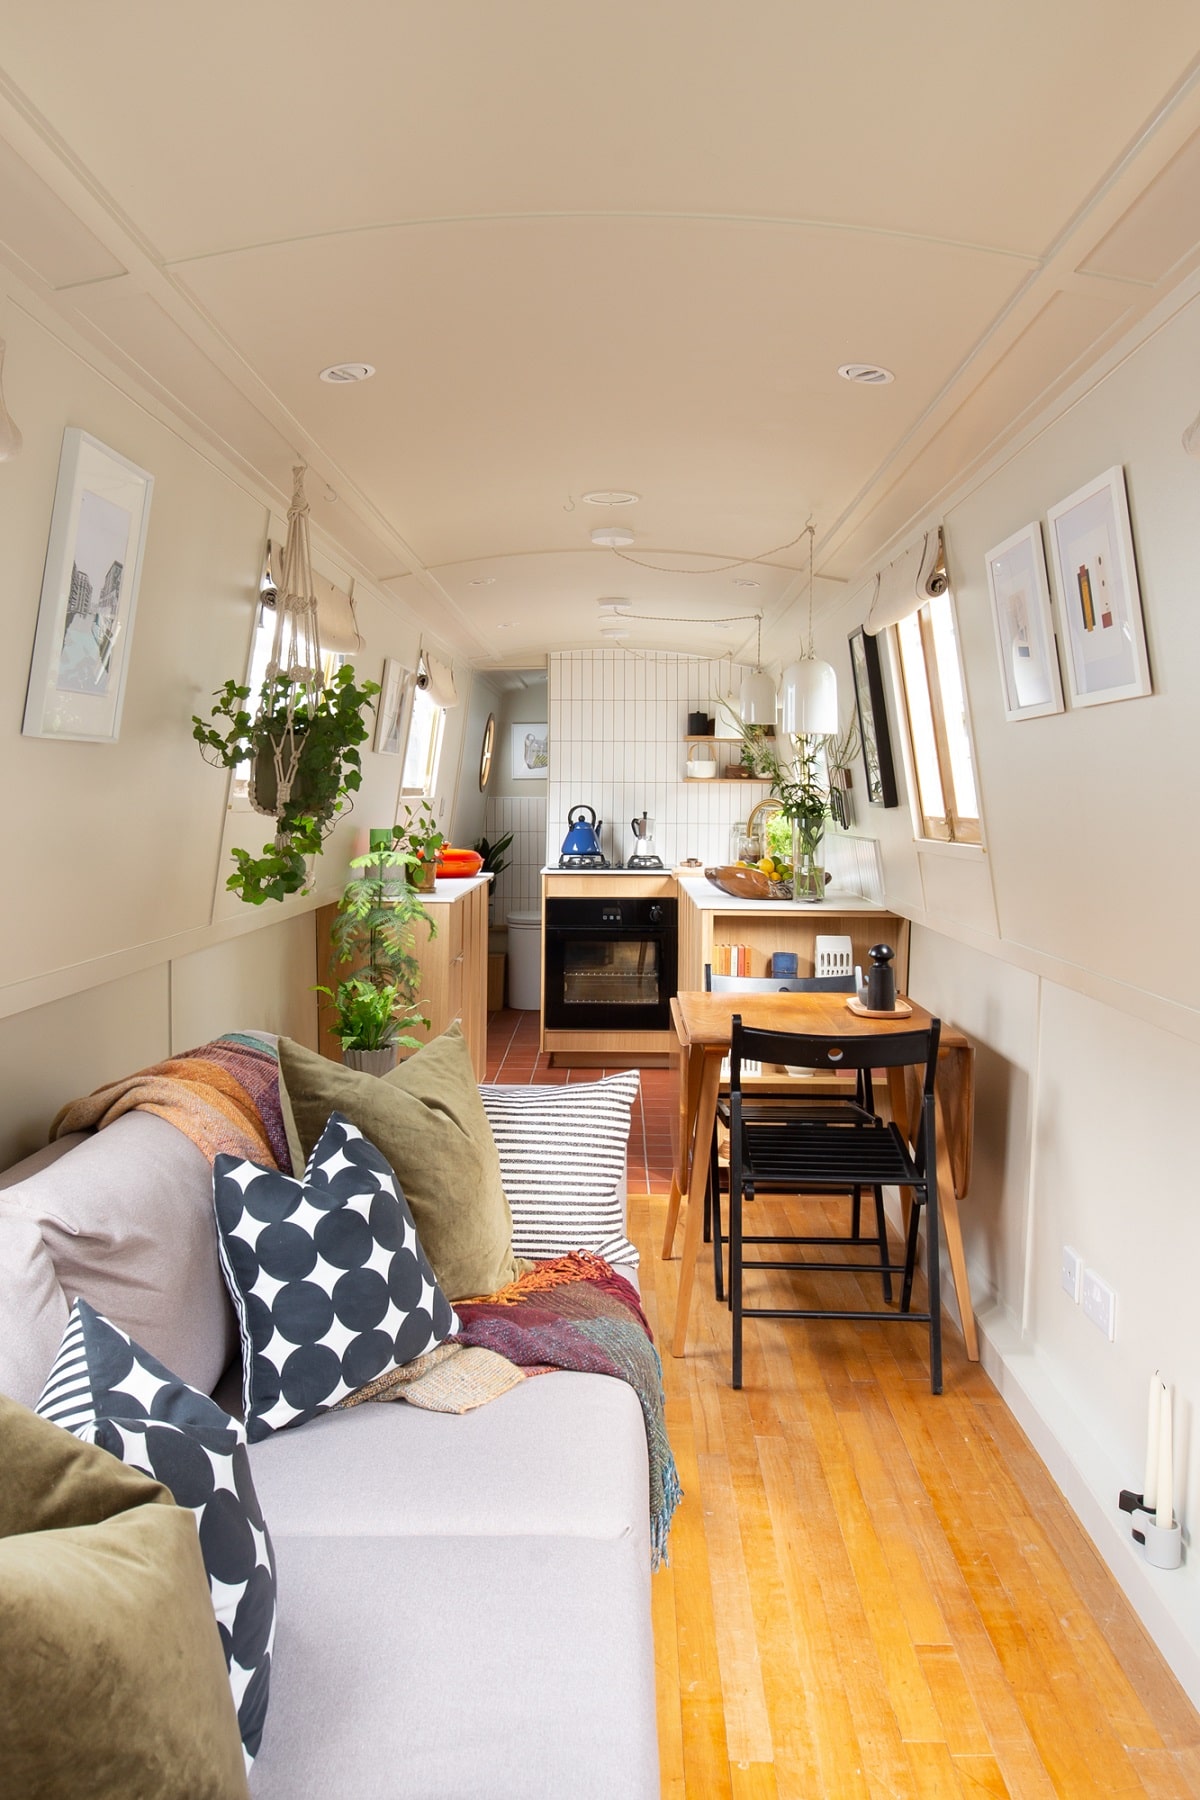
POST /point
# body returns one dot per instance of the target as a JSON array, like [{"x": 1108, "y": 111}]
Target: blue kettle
[{"x": 583, "y": 835}]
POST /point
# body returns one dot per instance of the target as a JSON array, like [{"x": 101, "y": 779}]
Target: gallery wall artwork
[
  {"x": 1099, "y": 603},
  {"x": 89, "y": 593},
  {"x": 1025, "y": 644}
]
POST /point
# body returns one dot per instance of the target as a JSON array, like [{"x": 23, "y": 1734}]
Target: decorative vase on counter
[
  {"x": 370, "y": 1062},
  {"x": 808, "y": 874}
]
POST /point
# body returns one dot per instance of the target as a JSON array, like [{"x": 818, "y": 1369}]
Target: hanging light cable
[{"x": 808, "y": 689}]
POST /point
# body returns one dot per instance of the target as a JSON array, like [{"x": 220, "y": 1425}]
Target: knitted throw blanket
[
  {"x": 223, "y": 1096},
  {"x": 578, "y": 1313}
]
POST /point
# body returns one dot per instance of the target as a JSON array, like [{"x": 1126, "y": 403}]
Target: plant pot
[
  {"x": 422, "y": 876},
  {"x": 370, "y": 1062},
  {"x": 264, "y": 788}
]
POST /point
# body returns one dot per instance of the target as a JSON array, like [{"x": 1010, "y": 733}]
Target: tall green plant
[{"x": 375, "y": 923}]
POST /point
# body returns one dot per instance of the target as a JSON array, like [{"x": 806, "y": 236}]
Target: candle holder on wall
[{"x": 1162, "y": 1544}]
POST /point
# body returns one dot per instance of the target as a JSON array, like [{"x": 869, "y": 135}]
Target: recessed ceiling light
[
  {"x": 612, "y": 537},
  {"x": 506, "y": 625},
  {"x": 868, "y": 374},
  {"x": 340, "y": 373},
  {"x": 482, "y": 581},
  {"x": 743, "y": 581},
  {"x": 611, "y": 497}
]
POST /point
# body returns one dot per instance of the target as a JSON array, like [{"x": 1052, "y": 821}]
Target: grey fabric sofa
[{"x": 464, "y": 1601}]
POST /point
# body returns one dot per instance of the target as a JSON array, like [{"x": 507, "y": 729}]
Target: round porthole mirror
[{"x": 485, "y": 753}]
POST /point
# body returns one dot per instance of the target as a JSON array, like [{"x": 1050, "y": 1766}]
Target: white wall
[
  {"x": 120, "y": 942},
  {"x": 1064, "y": 951}
]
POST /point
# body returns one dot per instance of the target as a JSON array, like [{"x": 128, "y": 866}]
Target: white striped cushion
[{"x": 562, "y": 1161}]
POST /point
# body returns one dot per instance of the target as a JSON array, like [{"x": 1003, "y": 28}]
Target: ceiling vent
[
  {"x": 867, "y": 374},
  {"x": 340, "y": 373}
]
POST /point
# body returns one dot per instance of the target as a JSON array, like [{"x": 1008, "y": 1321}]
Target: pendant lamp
[
  {"x": 756, "y": 701},
  {"x": 808, "y": 698}
]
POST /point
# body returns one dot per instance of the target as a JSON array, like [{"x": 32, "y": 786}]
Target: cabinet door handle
[{"x": 460, "y": 956}]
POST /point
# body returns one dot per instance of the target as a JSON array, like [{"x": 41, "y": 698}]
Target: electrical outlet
[
  {"x": 1071, "y": 1274},
  {"x": 1099, "y": 1303}
]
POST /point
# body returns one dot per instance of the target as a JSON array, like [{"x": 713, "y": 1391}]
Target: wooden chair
[{"x": 798, "y": 1152}]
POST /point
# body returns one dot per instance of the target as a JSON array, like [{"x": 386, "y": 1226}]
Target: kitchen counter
[{"x": 708, "y": 898}]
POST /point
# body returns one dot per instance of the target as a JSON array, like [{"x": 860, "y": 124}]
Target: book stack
[{"x": 731, "y": 959}]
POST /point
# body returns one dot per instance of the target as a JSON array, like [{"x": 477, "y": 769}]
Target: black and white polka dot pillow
[
  {"x": 328, "y": 1277},
  {"x": 107, "y": 1390}
]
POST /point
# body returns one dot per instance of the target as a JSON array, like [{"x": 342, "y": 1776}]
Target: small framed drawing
[
  {"x": 530, "y": 752},
  {"x": 394, "y": 690},
  {"x": 1099, "y": 604},
  {"x": 1029, "y": 677},
  {"x": 89, "y": 594},
  {"x": 872, "y": 719}
]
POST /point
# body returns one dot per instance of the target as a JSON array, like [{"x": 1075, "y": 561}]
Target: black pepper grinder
[{"x": 881, "y": 980}]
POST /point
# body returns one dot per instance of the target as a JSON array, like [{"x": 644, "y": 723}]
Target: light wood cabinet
[
  {"x": 765, "y": 927},
  {"x": 453, "y": 966}
]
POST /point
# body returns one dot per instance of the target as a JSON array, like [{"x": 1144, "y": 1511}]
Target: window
[
  {"x": 936, "y": 704},
  {"x": 260, "y": 656},
  {"x": 424, "y": 741}
]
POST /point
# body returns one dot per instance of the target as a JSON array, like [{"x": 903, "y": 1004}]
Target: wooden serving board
[{"x": 901, "y": 1010}]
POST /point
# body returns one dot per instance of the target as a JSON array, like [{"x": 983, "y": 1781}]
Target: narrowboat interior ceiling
[
  {"x": 601, "y": 254},
  {"x": 652, "y": 371}
]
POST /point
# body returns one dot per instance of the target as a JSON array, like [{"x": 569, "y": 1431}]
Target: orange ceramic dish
[{"x": 454, "y": 865}]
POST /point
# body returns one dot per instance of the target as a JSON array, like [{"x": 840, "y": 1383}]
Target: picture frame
[
  {"x": 80, "y": 659},
  {"x": 1025, "y": 641},
  {"x": 1100, "y": 606},
  {"x": 530, "y": 752},
  {"x": 391, "y": 724},
  {"x": 871, "y": 705}
]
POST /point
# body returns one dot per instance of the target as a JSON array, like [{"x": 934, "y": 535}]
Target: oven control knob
[{"x": 656, "y": 914}]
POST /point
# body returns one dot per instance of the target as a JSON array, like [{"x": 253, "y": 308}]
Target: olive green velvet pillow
[
  {"x": 427, "y": 1119},
  {"x": 115, "y": 1685}
]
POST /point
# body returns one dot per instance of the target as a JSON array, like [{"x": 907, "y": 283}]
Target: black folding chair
[
  {"x": 785, "y": 1092},
  {"x": 797, "y": 1152}
]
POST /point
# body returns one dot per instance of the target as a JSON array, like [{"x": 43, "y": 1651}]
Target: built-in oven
[{"x": 611, "y": 963}]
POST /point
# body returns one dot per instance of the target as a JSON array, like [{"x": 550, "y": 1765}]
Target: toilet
[{"x": 525, "y": 960}]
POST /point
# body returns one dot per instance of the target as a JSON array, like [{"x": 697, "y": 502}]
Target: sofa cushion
[
  {"x": 110, "y": 1392},
  {"x": 33, "y": 1309},
  {"x": 127, "y": 1220},
  {"x": 327, "y": 1273},
  {"x": 427, "y": 1119},
  {"x": 114, "y": 1682},
  {"x": 562, "y": 1155}
]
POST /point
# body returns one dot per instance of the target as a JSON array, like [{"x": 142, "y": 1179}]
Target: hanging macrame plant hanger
[{"x": 293, "y": 683}]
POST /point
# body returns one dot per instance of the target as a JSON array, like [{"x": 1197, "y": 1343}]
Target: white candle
[
  {"x": 1165, "y": 1515},
  {"x": 1150, "y": 1481}
]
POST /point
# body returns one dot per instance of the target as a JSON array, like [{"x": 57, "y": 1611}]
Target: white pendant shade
[
  {"x": 756, "y": 703},
  {"x": 808, "y": 699}
]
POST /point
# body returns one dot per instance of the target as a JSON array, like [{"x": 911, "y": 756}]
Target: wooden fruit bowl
[{"x": 742, "y": 883}]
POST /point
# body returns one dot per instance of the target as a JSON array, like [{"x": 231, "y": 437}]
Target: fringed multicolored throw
[
  {"x": 578, "y": 1313},
  {"x": 223, "y": 1096}
]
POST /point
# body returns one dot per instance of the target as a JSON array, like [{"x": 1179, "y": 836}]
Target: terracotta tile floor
[{"x": 513, "y": 1056}]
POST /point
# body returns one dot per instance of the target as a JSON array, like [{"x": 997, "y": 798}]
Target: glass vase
[{"x": 808, "y": 873}]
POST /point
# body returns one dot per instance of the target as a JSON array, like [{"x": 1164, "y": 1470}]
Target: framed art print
[
  {"x": 394, "y": 690},
  {"x": 1020, "y": 593},
  {"x": 530, "y": 752},
  {"x": 1099, "y": 604},
  {"x": 872, "y": 719},
  {"x": 89, "y": 594}
]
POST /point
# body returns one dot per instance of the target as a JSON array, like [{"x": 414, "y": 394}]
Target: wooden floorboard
[{"x": 876, "y": 1592}]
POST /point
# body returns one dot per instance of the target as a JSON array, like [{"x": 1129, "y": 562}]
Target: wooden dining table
[{"x": 703, "y": 1027}]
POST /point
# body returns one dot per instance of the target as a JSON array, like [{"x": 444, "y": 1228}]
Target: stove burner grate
[{"x": 592, "y": 860}]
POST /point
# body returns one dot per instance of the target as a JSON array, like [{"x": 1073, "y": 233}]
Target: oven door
[{"x": 608, "y": 977}]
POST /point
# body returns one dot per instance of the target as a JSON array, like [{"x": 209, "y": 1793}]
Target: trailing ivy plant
[{"x": 329, "y": 770}]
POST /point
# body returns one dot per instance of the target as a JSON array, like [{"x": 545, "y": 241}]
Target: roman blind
[
  {"x": 915, "y": 576},
  {"x": 437, "y": 679}
]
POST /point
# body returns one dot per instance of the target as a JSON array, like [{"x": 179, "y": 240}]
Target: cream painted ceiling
[{"x": 604, "y": 247}]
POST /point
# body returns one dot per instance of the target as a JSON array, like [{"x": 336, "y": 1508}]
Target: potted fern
[{"x": 375, "y": 1005}]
